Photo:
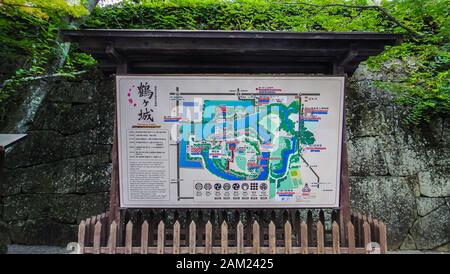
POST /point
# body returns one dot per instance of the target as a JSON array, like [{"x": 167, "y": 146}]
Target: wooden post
[
  {"x": 224, "y": 238},
  {"x": 114, "y": 192},
  {"x": 2, "y": 164},
  {"x": 81, "y": 236},
  {"x": 208, "y": 238},
  {"x": 351, "y": 238},
  {"x": 112, "y": 241},
  {"x": 128, "y": 237},
  {"x": 272, "y": 238},
  {"x": 97, "y": 231},
  {"x": 304, "y": 237},
  {"x": 344, "y": 214},
  {"x": 192, "y": 237},
  {"x": 382, "y": 236},
  {"x": 240, "y": 238},
  {"x": 344, "y": 198},
  {"x": 320, "y": 239},
  {"x": 176, "y": 238},
  {"x": 256, "y": 238},
  {"x": 366, "y": 233},
  {"x": 144, "y": 237},
  {"x": 287, "y": 238},
  {"x": 160, "y": 240},
  {"x": 336, "y": 240}
]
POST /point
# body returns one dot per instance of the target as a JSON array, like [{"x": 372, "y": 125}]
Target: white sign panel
[{"x": 229, "y": 141}]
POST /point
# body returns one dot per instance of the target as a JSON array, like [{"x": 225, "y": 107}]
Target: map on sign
[{"x": 211, "y": 141}]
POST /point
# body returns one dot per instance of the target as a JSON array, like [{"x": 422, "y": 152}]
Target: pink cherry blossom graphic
[{"x": 130, "y": 100}]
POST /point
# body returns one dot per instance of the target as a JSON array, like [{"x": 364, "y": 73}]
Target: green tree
[
  {"x": 29, "y": 31},
  {"x": 424, "y": 57},
  {"x": 30, "y": 28},
  {"x": 424, "y": 88}
]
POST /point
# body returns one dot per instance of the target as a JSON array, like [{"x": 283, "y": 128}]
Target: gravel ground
[
  {"x": 417, "y": 252},
  {"x": 36, "y": 249},
  {"x": 45, "y": 249}
]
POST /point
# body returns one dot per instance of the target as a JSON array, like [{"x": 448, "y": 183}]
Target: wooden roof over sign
[{"x": 186, "y": 51}]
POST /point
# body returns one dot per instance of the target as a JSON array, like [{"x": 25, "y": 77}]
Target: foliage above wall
[
  {"x": 29, "y": 36},
  {"x": 424, "y": 57}
]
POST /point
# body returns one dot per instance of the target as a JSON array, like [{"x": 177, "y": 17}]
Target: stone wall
[
  {"x": 398, "y": 173},
  {"x": 60, "y": 174}
]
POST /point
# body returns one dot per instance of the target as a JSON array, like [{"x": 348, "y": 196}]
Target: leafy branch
[
  {"x": 32, "y": 28},
  {"x": 382, "y": 10}
]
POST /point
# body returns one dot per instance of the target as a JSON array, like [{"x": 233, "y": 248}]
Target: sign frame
[{"x": 341, "y": 133}]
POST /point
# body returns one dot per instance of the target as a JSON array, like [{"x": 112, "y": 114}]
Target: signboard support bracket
[
  {"x": 114, "y": 203},
  {"x": 336, "y": 59},
  {"x": 344, "y": 195}
]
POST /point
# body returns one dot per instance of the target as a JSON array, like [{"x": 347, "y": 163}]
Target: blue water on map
[
  {"x": 202, "y": 131},
  {"x": 183, "y": 161},
  {"x": 218, "y": 172},
  {"x": 265, "y": 165},
  {"x": 222, "y": 174},
  {"x": 285, "y": 157}
]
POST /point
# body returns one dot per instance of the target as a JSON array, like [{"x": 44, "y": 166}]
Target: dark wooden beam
[
  {"x": 146, "y": 49},
  {"x": 113, "y": 54},
  {"x": 352, "y": 54},
  {"x": 223, "y": 34},
  {"x": 122, "y": 68}
]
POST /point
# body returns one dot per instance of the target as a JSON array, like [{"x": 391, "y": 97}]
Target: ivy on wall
[
  {"x": 29, "y": 37},
  {"x": 424, "y": 57}
]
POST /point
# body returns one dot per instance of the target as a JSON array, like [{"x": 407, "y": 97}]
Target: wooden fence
[{"x": 97, "y": 235}]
